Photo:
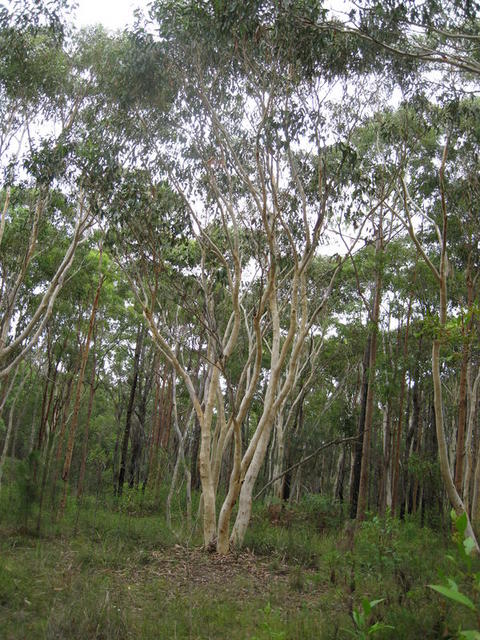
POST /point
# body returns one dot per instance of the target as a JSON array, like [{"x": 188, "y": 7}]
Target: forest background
[{"x": 239, "y": 258}]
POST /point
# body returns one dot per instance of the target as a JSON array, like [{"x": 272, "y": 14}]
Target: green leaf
[
  {"x": 358, "y": 619},
  {"x": 453, "y": 594},
  {"x": 469, "y": 545},
  {"x": 470, "y": 635},
  {"x": 366, "y": 606},
  {"x": 379, "y": 626},
  {"x": 461, "y": 523},
  {"x": 373, "y": 603}
]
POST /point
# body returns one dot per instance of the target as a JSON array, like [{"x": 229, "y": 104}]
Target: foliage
[
  {"x": 465, "y": 548},
  {"x": 109, "y": 576},
  {"x": 363, "y": 629}
]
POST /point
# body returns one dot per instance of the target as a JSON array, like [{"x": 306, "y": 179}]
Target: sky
[{"x": 113, "y": 14}]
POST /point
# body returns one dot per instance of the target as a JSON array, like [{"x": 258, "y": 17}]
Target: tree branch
[{"x": 306, "y": 459}]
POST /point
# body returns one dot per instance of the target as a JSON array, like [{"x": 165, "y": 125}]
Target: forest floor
[
  {"x": 61, "y": 588},
  {"x": 121, "y": 576}
]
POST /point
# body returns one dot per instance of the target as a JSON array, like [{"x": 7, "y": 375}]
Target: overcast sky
[{"x": 113, "y": 14}]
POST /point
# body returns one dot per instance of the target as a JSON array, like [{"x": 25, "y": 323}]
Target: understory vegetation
[{"x": 113, "y": 569}]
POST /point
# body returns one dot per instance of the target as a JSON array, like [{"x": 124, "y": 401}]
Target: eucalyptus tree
[
  {"x": 43, "y": 99},
  {"x": 442, "y": 197},
  {"x": 374, "y": 165},
  {"x": 57, "y": 167},
  {"x": 463, "y": 194},
  {"x": 243, "y": 144}
]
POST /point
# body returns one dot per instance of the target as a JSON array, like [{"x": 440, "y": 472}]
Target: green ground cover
[{"x": 121, "y": 574}]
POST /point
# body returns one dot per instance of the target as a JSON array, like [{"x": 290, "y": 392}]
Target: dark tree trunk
[
  {"x": 66, "y": 402},
  {"x": 78, "y": 394},
  {"x": 417, "y": 432},
  {"x": 135, "y": 453},
  {"x": 131, "y": 401},
  {"x": 152, "y": 463},
  {"x": 357, "y": 456},
  {"x": 195, "y": 452},
  {"x": 139, "y": 432},
  {"x": 462, "y": 405},
  {"x": 369, "y": 406},
  {"x": 83, "y": 464}
]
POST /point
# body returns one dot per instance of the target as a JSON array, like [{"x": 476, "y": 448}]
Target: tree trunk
[
  {"x": 372, "y": 360},
  {"x": 131, "y": 401},
  {"x": 234, "y": 487},
  {"x": 476, "y": 496},
  {"x": 452, "y": 492},
  {"x": 154, "y": 437},
  {"x": 473, "y": 392},
  {"x": 78, "y": 394},
  {"x": 118, "y": 416},
  {"x": 385, "y": 484},
  {"x": 83, "y": 464},
  {"x": 441, "y": 277},
  {"x": 403, "y": 386},
  {"x": 31, "y": 441},
  {"x": 279, "y": 456},
  {"x": 48, "y": 392},
  {"x": 67, "y": 399},
  {"x": 340, "y": 474},
  {"x": 194, "y": 454},
  {"x": 6, "y": 388},
  {"x": 357, "y": 449},
  {"x": 139, "y": 433},
  {"x": 461, "y": 421},
  {"x": 10, "y": 427},
  {"x": 245, "y": 500},
  {"x": 367, "y": 431},
  {"x": 417, "y": 445},
  {"x": 462, "y": 401},
  {"x": 180, "y": 461},
  {"x": 45, "y": 471}
]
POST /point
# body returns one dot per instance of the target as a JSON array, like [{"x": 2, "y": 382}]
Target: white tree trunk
[
  {"x": 179, "y": 461},
  {"x": 441, "y": 278},
  {"x": 29, "y": 335},
  {"x": 234, "y": 486},
  {"x": 467, "y": 480},
  {"x": 387, "y": 456},
  {"x": 476, "y": 498},
  {"x": 245, "y": 499}
]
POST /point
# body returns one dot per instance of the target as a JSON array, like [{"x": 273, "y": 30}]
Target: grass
[{"x": 105, "y": 573}]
